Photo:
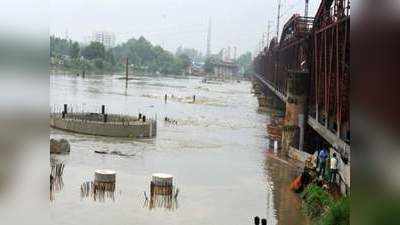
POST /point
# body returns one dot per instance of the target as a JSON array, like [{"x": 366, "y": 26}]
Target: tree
[
  {"x": 110, "y": 57},
  {"x": 74, "y": 50},
  {"x": 209, "y": 64},
  {"x": 245, "y": 63},
  {"x": 192, "y": 53},
  {"x": 59, "y": 47},
  {"x": 140, "y": 52},
  {"x": 95, "y": 50},
  {"x": 185, "y": 59}
]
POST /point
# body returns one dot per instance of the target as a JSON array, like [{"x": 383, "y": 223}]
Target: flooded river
[{"x": 216, "y": 153}]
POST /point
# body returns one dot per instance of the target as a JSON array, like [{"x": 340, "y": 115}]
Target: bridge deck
[{"x": 272, "y": 88}]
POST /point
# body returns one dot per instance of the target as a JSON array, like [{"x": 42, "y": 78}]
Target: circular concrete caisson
[
  {"x": 104, "y": 175},
  {"x": 162, "y": 179}
]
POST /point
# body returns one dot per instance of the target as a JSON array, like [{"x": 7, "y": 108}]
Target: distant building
[{"x": 104, "y": 37}]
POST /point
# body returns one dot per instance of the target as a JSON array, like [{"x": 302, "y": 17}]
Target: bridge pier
[
  {"x": 295, "y": 111},
  {"x": 276, "y": 111}
]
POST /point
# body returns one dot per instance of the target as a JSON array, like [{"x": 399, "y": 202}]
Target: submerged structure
[
  {"x": 102, "y": 188},
  {"x": 163, "y": 193},
  {"x": 103, "y": 124},
  {"x": 303, "y": 78}
]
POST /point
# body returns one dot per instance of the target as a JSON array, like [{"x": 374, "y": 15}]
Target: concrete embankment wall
[{"x": 146, "y": 129}]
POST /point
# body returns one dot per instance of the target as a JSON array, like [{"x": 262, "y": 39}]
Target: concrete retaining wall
[
  {"x": 138, "y": 129},
  {"x": 344, "y": 172},
  {"x": 298, "y": 155}
]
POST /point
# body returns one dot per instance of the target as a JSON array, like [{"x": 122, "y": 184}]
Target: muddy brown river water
[{"x": 216, "y": 153}]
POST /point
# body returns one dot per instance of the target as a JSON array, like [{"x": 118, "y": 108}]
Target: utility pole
[
  {"x": 278, "y": 20},
  {"x": 268, "y": 32},
  {"x": 126, "y": 69},
  {"x": 306, "y": 9}
]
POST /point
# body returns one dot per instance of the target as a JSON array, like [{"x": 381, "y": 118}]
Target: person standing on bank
[
  {"x": 322, "y": 156},
  {"x": 333, "y": 167}
]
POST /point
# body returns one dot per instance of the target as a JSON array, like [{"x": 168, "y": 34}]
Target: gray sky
[{"x": 171, "y": 23}]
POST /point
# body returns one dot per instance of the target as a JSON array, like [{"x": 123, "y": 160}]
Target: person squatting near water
[{"x": 171, "y": 121}]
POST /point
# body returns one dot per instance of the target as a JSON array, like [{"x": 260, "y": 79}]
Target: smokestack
[
  {"x": 229, "y": 53},
  {"x": 208, "y": 53},
  {"x": 234, "y": 52}
]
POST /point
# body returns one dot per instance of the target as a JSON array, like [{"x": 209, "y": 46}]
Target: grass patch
[
  {"x": 338, "y": 214},
  {"x": 316, "y": 201},
  {"x": 322, "y": 209}
]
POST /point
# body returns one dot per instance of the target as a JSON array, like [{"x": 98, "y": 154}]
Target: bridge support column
[
  {"x": 274, "y": 127},
  {"x": 295, "y": 113}
]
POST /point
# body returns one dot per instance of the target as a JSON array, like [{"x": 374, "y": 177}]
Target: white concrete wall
[
  {"x": 344, "y": 172},
  {"x": 136, "y": 130}
]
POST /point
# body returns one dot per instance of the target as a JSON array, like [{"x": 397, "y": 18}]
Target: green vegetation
[
  {"x": 245, "y": 63},
  {"x": 339, "y": 213},
  {"x": 208, "y": 64},
  {"x": 143, "y": 57},
  {"x": 316, "y": 200},
  {"x": 322, "y": 209}
]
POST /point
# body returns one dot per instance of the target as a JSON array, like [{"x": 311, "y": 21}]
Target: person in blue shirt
[{"x": 322, "y": 156}]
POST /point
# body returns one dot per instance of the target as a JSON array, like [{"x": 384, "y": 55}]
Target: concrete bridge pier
[
  {"x": 274, "y": 128},
  {"x": 295, "y": 112},
  {"x": 261, "y": 96}
]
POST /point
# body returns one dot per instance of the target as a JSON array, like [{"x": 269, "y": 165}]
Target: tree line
[{"x": 143, "y": 57}]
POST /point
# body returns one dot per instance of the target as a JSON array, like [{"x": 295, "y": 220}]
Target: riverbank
[{"x": 322, "y": 200}]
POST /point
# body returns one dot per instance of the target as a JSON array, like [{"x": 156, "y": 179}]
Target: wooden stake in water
[{"x": 126, "y": 68}]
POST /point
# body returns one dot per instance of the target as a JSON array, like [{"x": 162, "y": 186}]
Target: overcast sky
[{"x": 171, "y": 23}]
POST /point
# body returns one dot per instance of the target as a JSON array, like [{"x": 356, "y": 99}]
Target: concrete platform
[{"x": 130, "y": 127}]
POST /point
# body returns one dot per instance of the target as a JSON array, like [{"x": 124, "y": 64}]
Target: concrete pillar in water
[
  {"x": 294, "y": 121},
  {"x": 104, "y": 175}
]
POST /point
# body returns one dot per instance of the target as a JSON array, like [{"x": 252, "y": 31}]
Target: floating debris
[{"x": 113, "y": 153}]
